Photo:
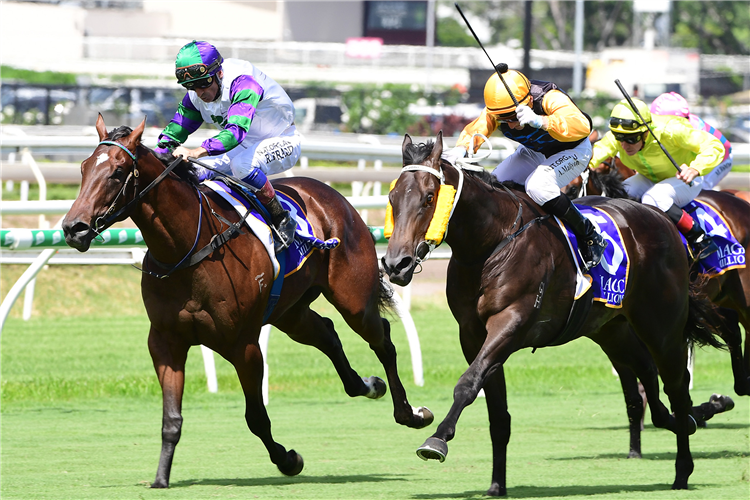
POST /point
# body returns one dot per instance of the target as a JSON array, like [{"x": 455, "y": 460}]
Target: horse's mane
[
  {"x": 416, "y": 153},
  {"x": 185, "y": 170}
]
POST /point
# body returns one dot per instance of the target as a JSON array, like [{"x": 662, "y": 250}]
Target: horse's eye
[
  {"x": 117, "y": 174},
  {"x": 430, "y": 199}
]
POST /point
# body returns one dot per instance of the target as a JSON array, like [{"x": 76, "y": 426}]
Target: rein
[{"x": 217, "y": 240}]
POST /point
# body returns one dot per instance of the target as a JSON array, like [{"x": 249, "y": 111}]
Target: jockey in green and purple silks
[{"x": 255, "y": 117}]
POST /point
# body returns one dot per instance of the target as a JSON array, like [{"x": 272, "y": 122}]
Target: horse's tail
[
  {"x": 386, "y": 301},
  {"x": 705, "y": 321}
]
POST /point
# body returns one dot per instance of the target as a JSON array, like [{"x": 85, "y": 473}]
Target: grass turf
[{"x": 81, "y": 419}]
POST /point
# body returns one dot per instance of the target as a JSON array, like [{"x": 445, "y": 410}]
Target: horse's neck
[
  {"x": 167, "y": 216},
  {"x": 481, "y": 219}
]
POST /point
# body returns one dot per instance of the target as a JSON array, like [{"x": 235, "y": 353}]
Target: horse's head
[
  {"x": 109, "y": 179},
  {"x": 413, "y": 200}
]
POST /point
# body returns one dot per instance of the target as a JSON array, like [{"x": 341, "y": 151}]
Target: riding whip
[
  {"x": 500, "y": 68},
  {"x": 635, "y": 110}
]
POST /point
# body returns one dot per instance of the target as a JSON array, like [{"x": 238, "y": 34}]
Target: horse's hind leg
[
  {"x": 307, "y": 327},
  {"x": 169, "y": 363},
  {"x": 360, "y": 310},
  {"x": 631, "y": 359},
  {"x": 248, "y": 363},
  {"x": 668, "y": 346}
]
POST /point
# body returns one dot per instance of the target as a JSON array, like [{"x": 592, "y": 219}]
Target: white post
[
  {"x": 210, "y": 366},
  {"x": 265, "y": 333},
  {"x": 412, "y": 337},
  {"x": 28, "y": 299}
]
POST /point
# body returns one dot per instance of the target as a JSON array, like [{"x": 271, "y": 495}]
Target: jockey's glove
[
  {"x": 454, "y": 154},
  {"x": 526, "y": 116}
]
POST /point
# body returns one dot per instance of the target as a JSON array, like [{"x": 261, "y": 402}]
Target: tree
[{"x": 712, "y": 27}]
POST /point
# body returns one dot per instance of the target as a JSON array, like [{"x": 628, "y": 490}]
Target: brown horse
[
  {"x": 220, "y": 301},
  {"x": 510, "y": 286}
]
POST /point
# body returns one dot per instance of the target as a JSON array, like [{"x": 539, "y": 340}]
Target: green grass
[{"x": 81, "y": 415}]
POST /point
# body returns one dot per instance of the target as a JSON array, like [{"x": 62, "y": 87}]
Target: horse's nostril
[
  {"x": 404, "y": 263},
  {"x": 76, "y": 230}
]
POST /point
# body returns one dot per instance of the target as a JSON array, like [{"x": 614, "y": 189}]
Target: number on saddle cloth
[
  {"x": 609, "y": 278},
  {"x": 731, "y": 254}
]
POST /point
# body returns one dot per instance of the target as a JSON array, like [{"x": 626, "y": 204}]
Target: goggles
[
  {"x": 507, "y": 117},
  {"x": 199, "y": 84},
  {"x": 186, "y": 74},
  {"x": 629, "y": 138},
  {"x": 624, "y": 123}
]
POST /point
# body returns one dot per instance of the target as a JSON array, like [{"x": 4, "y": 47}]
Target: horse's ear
[
  {"x": 135, "y": 136},
  {"x": 407, "y": 142},
  {"x": 437, "y": 150},
  {"x": 101, "y": 129}
]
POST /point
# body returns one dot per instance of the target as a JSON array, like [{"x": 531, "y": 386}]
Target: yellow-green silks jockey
[{"x": 695, "y": 148}]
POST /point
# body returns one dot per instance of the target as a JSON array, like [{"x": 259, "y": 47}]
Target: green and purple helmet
[{"x": 196, "y": 64}]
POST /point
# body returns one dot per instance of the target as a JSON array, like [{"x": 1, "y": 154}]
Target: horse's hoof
[
  {"x": 295, "y": 459},
  {"x": 721, "y": 403},
  {"x": 496, "y": 491},
  {"x": 427, "y": 416},
  {"x": 159, "y": 485},
  {"x": 679, "y": 485},
  {"x": 634, "y": 454},
  {"x": 376, "y": 386},
  {"x": 433, "y": 449}
]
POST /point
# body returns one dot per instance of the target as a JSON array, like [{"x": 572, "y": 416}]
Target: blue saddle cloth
[
  {"x": 609, "y": 279},
  {"x": 293, "y": 258},
  {"x": 731, "y": 254}
]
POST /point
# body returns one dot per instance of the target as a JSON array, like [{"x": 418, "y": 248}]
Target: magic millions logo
[{"x": 731, "y": 256}]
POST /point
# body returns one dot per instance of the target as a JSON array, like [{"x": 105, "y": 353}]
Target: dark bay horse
[
  {"x": 220, "y": 301},
  {"x": 510, "y": 286},
  {"x": 730, "y": 290}
]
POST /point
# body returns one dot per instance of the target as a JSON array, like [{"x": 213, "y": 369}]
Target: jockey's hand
[
  {"x": 454, "y": 154},
  {"x": 526, "y": 116},
  {"x": 198, "y": 152},
  {"x": 687, "y": 174}
]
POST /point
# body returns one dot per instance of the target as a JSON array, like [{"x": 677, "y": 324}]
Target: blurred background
[{"x": 372, "y": 67}]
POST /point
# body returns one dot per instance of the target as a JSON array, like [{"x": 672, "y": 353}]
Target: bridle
[
  {"x": 425, "y": 247},
  {"x": 190, "y": 259},
  {"x": 109, "y": 217}
]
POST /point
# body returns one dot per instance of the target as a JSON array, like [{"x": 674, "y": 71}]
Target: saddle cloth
[
  {"x": 305, "y": 240},
  {"x": 609, "y": 279},
  {"x": 731, "y": 254}
]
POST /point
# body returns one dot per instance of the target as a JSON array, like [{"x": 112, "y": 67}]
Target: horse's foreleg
[
  {"x": 169, "y": 362},
  {"x": 490, "y": 357},
  {"x": 249, "y": 366},
  {"x": 497, "y": 408}
]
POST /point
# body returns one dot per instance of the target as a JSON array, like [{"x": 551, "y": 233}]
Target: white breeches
[
  {"x": 662, "y": 194},
  {"x": 272, "y": 155},
  {"x": 543, "y": 177}
]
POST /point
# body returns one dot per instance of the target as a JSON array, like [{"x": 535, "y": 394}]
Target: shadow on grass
[
  {"x": 283, "y": 480},
  {"x": 671, "y": 456},
  {"x": 556, "y": 491},
  {"x": 711, "y": 424}
]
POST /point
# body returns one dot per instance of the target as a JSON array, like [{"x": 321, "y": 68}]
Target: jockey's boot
[
  {"x": 284, "y": 225},
  {"x": 701, "y": 244},
  {"x": 590, "y": 243}
]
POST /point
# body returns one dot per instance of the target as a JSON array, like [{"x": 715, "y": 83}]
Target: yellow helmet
[
  {"x": 496, "y": 97},
  {"x": 623, "y": 120}
]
